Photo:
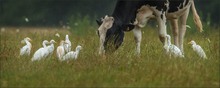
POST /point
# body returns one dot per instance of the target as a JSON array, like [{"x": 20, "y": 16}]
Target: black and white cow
[{"x": 134, "y": 14}]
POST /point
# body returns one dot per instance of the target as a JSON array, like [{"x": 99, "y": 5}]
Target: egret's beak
[{"x": 30, "y": 40}]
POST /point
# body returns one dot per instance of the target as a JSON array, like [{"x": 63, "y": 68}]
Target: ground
[{"x": 120, "y": 69}]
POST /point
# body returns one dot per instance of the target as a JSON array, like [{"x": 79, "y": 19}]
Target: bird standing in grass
[
  {"x": 67, "y": 46},
  {"x": 57, "y": 34},
  {"x": 198, "y": 49},
  {"x": 51, "y": 47},
  {"x": 60, "y": 50},
  {"x": 42, "y": 52},
  {"x": 172, "y": 49},
  {"x": 26, "y": 50},
  {"x": 72, "y": 54}
]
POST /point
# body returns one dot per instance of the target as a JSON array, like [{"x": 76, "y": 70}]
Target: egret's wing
[
  {"x": 24, "y": 50},
  {"x": 201, "y": 51}
]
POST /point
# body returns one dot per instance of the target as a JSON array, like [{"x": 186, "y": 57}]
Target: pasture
[{"x": 119, "y": 69}]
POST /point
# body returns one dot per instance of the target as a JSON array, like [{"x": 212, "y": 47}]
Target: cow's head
[{"x": 111, "y": 33}]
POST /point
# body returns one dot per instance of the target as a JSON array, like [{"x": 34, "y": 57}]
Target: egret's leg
[{"x": 137, "y": 37}]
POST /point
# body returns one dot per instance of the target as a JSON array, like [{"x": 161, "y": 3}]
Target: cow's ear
[
  {"x": 128, "y": 27},
  {"x": 106, "y": 16},
  {"x": 99, "y": 21}
]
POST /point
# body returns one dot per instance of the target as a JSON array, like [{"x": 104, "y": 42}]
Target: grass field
[{"x": 120, "y": 69}]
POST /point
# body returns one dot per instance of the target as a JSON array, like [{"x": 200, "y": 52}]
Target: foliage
[
  {"x": 52, "y": 12},
  {"x": 209, "y": 9}
]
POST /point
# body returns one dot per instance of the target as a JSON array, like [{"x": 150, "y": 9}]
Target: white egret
[
  {"x": 42, "y": 52},
  {"x": 72, "y": 54},
  {"x": 51, "y": 47},
  {"x": 67, "y": 46},
  {"x": 57, "y": 34},
  {"x": 26, "y": 50},
  {"x": 172, "y": 49},
  {"x": 198, "y": 49},
  {"x": 60, "y": 50}
]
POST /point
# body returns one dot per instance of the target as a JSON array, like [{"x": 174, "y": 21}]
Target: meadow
[{"x": 119, "y": 69}]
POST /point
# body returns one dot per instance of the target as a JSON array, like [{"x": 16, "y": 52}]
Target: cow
[{"x": 133, "y": 15}]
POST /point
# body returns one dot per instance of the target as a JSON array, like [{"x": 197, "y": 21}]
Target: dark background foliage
[{"x": 59, "y": 12}]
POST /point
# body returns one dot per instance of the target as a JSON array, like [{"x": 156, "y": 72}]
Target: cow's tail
[{"x": 196, "y": 18}]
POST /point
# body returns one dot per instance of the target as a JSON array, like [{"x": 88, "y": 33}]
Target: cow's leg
[
  {"x": 161, "y": 19},
  {"x": 174, "y": 24},
  {"x": 182, "y": 30},
  {"x": 137, "y": 37}
]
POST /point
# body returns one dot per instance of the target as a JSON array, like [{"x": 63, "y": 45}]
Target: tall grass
[{"x": 120, "y": 69}]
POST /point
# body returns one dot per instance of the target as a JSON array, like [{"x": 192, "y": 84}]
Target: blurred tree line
[
  {"x": 50, "y": 12},
  {"x": 59, "y": 12}
]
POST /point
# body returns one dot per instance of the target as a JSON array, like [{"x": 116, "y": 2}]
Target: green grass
[{"x": 120, "y": 69}]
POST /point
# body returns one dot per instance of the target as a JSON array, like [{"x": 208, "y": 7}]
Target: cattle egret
[
  {"x": 72, "y": 54},
  {"x": 67, "y": 46},
  {"x": 172, "y": 49},
  {"x": 57, "y": 34},
  {"x": 44, "y": 43},
  {"x": 42, "y": 52},
  {"x": 26, "y": 50},
  {"x": 60, "y": 50},
  {"x": 198, "y": 49},
  {"x": 51, "y": 47}
]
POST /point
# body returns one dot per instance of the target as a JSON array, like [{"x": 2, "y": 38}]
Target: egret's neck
[
  {"x": 67, "y": 38},
  {"x": 193, "y": 43},
  {"x": 52, "y": 45},
  {"x": 77, "y": 50},
  {"x": 44, "y": 45},
  {"x": 77, "y": 53},
  {"x": 168, "y": 42},
  {"x": 27, "y": 42}
]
